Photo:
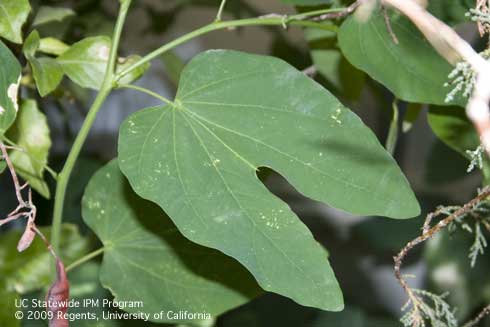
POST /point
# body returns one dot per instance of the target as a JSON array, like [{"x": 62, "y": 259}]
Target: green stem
[
  {"x": 393, "y": 131},
  {"x": 21, "y": 149},
  {"x": 144, "y": 90},
  {"x": 105, "y": 89},
  {"x": 220, "y": 10},
  {"x": 85, "y": 258},
  {"x": 274, "y": 20}
]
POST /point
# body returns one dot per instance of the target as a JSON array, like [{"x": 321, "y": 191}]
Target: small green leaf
[
  {"x": 13, "y": 14},
  {"x": 235, "y": 112},
  {"x": 85, "y": 61},
  {"x": 134, "y": 74},
  {"x": 47, "y": 14},
  {"x": 452, "y": 126},
  {"x": 52, "y": 46},
  {"x": 47, "y": 71},
  {"x": 10, "y": 74},
  {"x": 47, "y": 74},
  {"x": 31, "y": 133},
  {"x": 411, "y": 69},
  {"x": 145, "y": 250}
]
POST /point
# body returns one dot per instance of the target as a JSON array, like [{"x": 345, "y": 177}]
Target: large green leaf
[
  {"x": 85, "y": 61},
  {"x": 411, "y": 69},
  {"x": 10, "y": 74},
  {"x": 233, "y": 113},
  {"x": 47, "y": 71},
  {"x": 145, "y": 250},
  {"x": 31, "y": 133},
  {"x": 13, "y": 14}
]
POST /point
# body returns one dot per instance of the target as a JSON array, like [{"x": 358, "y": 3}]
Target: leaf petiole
[{"x": 146, "y": 91}]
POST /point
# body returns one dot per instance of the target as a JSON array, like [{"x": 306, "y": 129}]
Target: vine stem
[
  {"x": 220, "y": 10},
  {"x": 107, "y": 86},
  {"x": 146, "y": 91},
  {"x": 85, "y": 258},
  {"x": 268, "y": 20}
]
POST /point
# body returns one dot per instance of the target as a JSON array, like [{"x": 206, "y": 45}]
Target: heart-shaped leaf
[
  {"x": 145, "y": 250},
  {"x": 9, "y": 86},
  {"x": 13, "y": 14},
  {"x": 411, "y": 69},
  {"x": 234, "y": 112}
]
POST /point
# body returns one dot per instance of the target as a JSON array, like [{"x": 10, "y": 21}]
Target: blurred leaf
[
  {"x": 7, "y": 303},
  {"x": 411, "y": 115},
  {"x": 451, "y": 11},
  {"x": 47, "y": 14},
  {"x": 31, "y": 133},
  {"x": 47, "y": 71},
  {"x": 143, "y": 245},
  {"x": 444, "y": 165},
  {"x": 10, "y": 74},
  {"x": 13, "y": 14},
  {"x": 230, "y": 116},
  {"x": 32, "y": 269},
  {"x": 52, "y": 46},
  {"x": 412, "y": 69},
  {"x": 85, "y": 61},
  {"x": 451, "y": 125},
  {"x": 307, "y": 2},
  {"x": 332, "y": 65},
  {"x": 3, "y": 165},
  {"x": 133, "y": 75},
  {"x": 449, "y": 269},
  {"x": 173, "y": 66}
]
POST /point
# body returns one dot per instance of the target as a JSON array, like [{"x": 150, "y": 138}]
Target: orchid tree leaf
[
  {"x": 13, "y": 14},
  {"x": 10, "y": 74},
  {"x": 411, "y": 68},
  {"x": 197, "y": 158},
  {"x": 142, "y": 244},
  {"x": 31, "y": 133}
]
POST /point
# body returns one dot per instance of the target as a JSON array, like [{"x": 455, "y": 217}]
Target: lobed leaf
[
  {"x": 233, "y": 113},
  {"x": 144, "y": 250}
]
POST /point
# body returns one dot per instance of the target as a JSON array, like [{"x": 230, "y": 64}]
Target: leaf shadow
[{"x": 207, "y": 263}]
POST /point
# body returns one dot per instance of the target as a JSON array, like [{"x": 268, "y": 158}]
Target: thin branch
[
  {"x": 429, "y": 233},
  {"x": 345, "y": 12},
  {"x": 485, "y": 312},
  {"x": 15, "y": 179},
  {"x": 220, "y": 10}
]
